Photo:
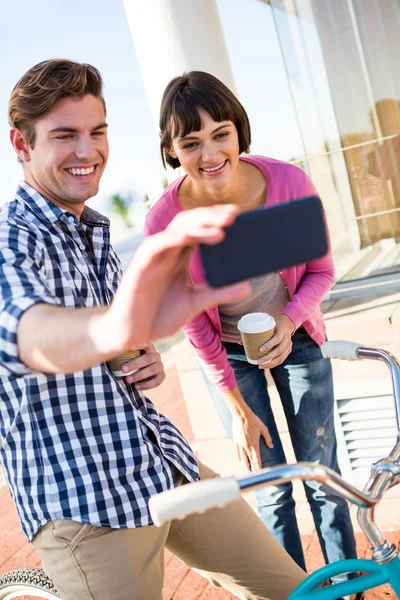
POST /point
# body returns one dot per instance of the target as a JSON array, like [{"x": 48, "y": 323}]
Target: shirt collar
[{"x": 45, "y": 210}]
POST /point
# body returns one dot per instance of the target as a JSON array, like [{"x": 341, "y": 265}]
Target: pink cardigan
[{"x": 307, "y": 284}]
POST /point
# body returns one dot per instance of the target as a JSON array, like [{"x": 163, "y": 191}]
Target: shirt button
[
  {"x": 286, "y": 287},
  {"x": 82, "y": 247},
  {"x": 280, "y": 272},
  {"x": 71, "y": 219}
]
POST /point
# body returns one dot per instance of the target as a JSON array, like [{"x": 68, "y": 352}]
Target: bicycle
[
  {"x": 198, "y": 497},
  {"x": 384, "y": 567},
  {"x": 27, "y": 583}
]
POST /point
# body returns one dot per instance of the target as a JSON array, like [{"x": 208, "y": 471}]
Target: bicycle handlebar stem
[{"x": 385, "y": 472}]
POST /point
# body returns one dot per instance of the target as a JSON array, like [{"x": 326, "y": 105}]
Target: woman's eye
[
  {"x": 219, "y": 136},
  {"x": 189, "y": 146}
]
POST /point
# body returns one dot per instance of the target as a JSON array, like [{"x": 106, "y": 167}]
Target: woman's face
[{"x": 209, "y": 156}]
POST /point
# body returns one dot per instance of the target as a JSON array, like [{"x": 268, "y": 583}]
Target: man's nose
[{"x": 85, "y": 147}]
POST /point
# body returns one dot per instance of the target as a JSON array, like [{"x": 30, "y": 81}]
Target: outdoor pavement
[{"x": 184, "y": 398}]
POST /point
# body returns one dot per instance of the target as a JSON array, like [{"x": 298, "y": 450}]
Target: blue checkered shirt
[{"x": 83, "y": 446}]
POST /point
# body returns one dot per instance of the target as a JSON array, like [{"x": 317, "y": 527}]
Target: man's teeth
[
  {"x": 81, "y": 171},
  {"x": 214, "y": 169}
]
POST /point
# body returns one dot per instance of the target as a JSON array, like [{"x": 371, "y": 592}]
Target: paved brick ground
[{"x": 180, "y": 582}]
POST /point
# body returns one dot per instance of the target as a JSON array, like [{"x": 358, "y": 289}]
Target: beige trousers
[{"x": 230, "y": 546}]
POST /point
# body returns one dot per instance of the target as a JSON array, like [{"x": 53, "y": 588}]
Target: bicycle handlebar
[
  {"x": 341, "y": 349},
  {"x": 193, "y": 498},
  {"x": 212, "y": 493},
  {"x": 352, "y": 351}
]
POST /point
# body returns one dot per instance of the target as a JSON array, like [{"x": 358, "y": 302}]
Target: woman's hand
[
  {"x": 279, "y": 346},
  {"x": 247, "y": 431},
  {"x": 150, "y": 369}
]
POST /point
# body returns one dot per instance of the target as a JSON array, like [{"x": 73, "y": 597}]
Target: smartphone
[{"x": 265, "y": 240}]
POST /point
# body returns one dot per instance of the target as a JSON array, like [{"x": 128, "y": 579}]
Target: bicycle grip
[
  {"x": 193, "y": 498},
  {"x": 340, "y": 349}
]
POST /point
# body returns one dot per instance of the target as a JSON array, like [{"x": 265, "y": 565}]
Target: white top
[{"x": 268, "y": 295}]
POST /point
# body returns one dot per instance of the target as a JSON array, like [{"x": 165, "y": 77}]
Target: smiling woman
[
  {"x": 205, "y": 129},
  {"x": 181, "y": 117}
]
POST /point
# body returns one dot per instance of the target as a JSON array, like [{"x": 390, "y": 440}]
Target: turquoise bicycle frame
[{"x": 374, "y": 576}]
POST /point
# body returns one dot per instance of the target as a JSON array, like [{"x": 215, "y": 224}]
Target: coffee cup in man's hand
[{"x": 115, "y": 364}]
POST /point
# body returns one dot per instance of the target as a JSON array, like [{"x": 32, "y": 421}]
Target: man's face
[{"x": 70, "y": 152}]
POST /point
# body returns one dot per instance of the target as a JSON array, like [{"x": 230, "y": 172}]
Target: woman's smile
[{"x": 214, "y": 169}]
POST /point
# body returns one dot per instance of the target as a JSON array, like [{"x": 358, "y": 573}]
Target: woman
[{"x": 205, "y": 129}]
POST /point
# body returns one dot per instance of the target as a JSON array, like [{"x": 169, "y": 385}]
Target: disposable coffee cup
[
  {"x": 115, "y": 364},
  {"x": 255, "y": 329}
]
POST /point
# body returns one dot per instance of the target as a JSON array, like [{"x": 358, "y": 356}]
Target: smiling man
[
  {"x": 83, "y": 450},
  {"x": 65, "y": 153}
]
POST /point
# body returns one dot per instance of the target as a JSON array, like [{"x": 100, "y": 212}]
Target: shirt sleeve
[
  {"x": 210, "y": 351},
  {"x": 23, "y": 284},
  {"x": 319, "y": 274}
]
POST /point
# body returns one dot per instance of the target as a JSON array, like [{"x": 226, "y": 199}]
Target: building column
[{"x": 173, "y": 36}]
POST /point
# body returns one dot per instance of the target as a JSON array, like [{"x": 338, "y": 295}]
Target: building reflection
[{"x": 341, "y": 59}]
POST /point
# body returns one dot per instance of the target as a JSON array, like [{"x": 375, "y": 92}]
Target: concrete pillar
[{"x": 173, "y": 36}]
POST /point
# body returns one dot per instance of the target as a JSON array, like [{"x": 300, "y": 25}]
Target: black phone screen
[{"x": 265, "y": 240}]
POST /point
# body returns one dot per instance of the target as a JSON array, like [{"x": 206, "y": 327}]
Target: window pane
[
  {"x": 260, "y": 75},
  {"x": 340, "y": 58}
]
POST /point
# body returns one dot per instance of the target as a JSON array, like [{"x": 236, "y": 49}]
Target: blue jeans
[{"x": 304, "y": 383}]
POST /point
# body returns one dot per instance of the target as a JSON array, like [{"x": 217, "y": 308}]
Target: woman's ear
[
  {"x": 168, "y": 149},
  {"x": 171, "y": 152}
]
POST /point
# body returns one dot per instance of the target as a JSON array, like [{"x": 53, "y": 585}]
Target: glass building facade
[{"x": 320, "y": 83}]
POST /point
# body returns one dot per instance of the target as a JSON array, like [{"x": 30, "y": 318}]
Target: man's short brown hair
[
  {"x": 39, "y": 89},
  {"x": 179, "y": 113}
]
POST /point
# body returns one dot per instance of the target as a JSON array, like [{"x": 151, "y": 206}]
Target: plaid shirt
[{"x": 83, "y": 446}]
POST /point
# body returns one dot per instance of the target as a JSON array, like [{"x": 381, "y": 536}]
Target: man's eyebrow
[
  {"x": 101, "y": 126},
  {"x": 73, "y": 130},
  {"x": 193, "y": 137}
]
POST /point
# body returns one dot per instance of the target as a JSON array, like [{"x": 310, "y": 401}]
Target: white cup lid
[{"x": 256, "y": 322}]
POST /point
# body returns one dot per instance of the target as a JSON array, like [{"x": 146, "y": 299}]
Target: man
[{"x": 82, "y": 449}]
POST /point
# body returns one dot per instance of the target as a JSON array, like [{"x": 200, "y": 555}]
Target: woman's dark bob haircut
[{"x": 179, "y": 113}]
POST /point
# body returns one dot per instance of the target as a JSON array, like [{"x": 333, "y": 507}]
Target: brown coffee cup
[
  {"x": 255, "y": 329},
  {"x": 115, "y": 364}
]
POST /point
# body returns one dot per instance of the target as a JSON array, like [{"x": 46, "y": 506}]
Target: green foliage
[
  {"x": 120, "y": 206},
  {"x": 298, "y": 161},
  {"x": 147, "y": 201}
]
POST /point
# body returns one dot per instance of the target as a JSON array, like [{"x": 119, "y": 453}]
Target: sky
[{"x": 97, "y": 32}]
